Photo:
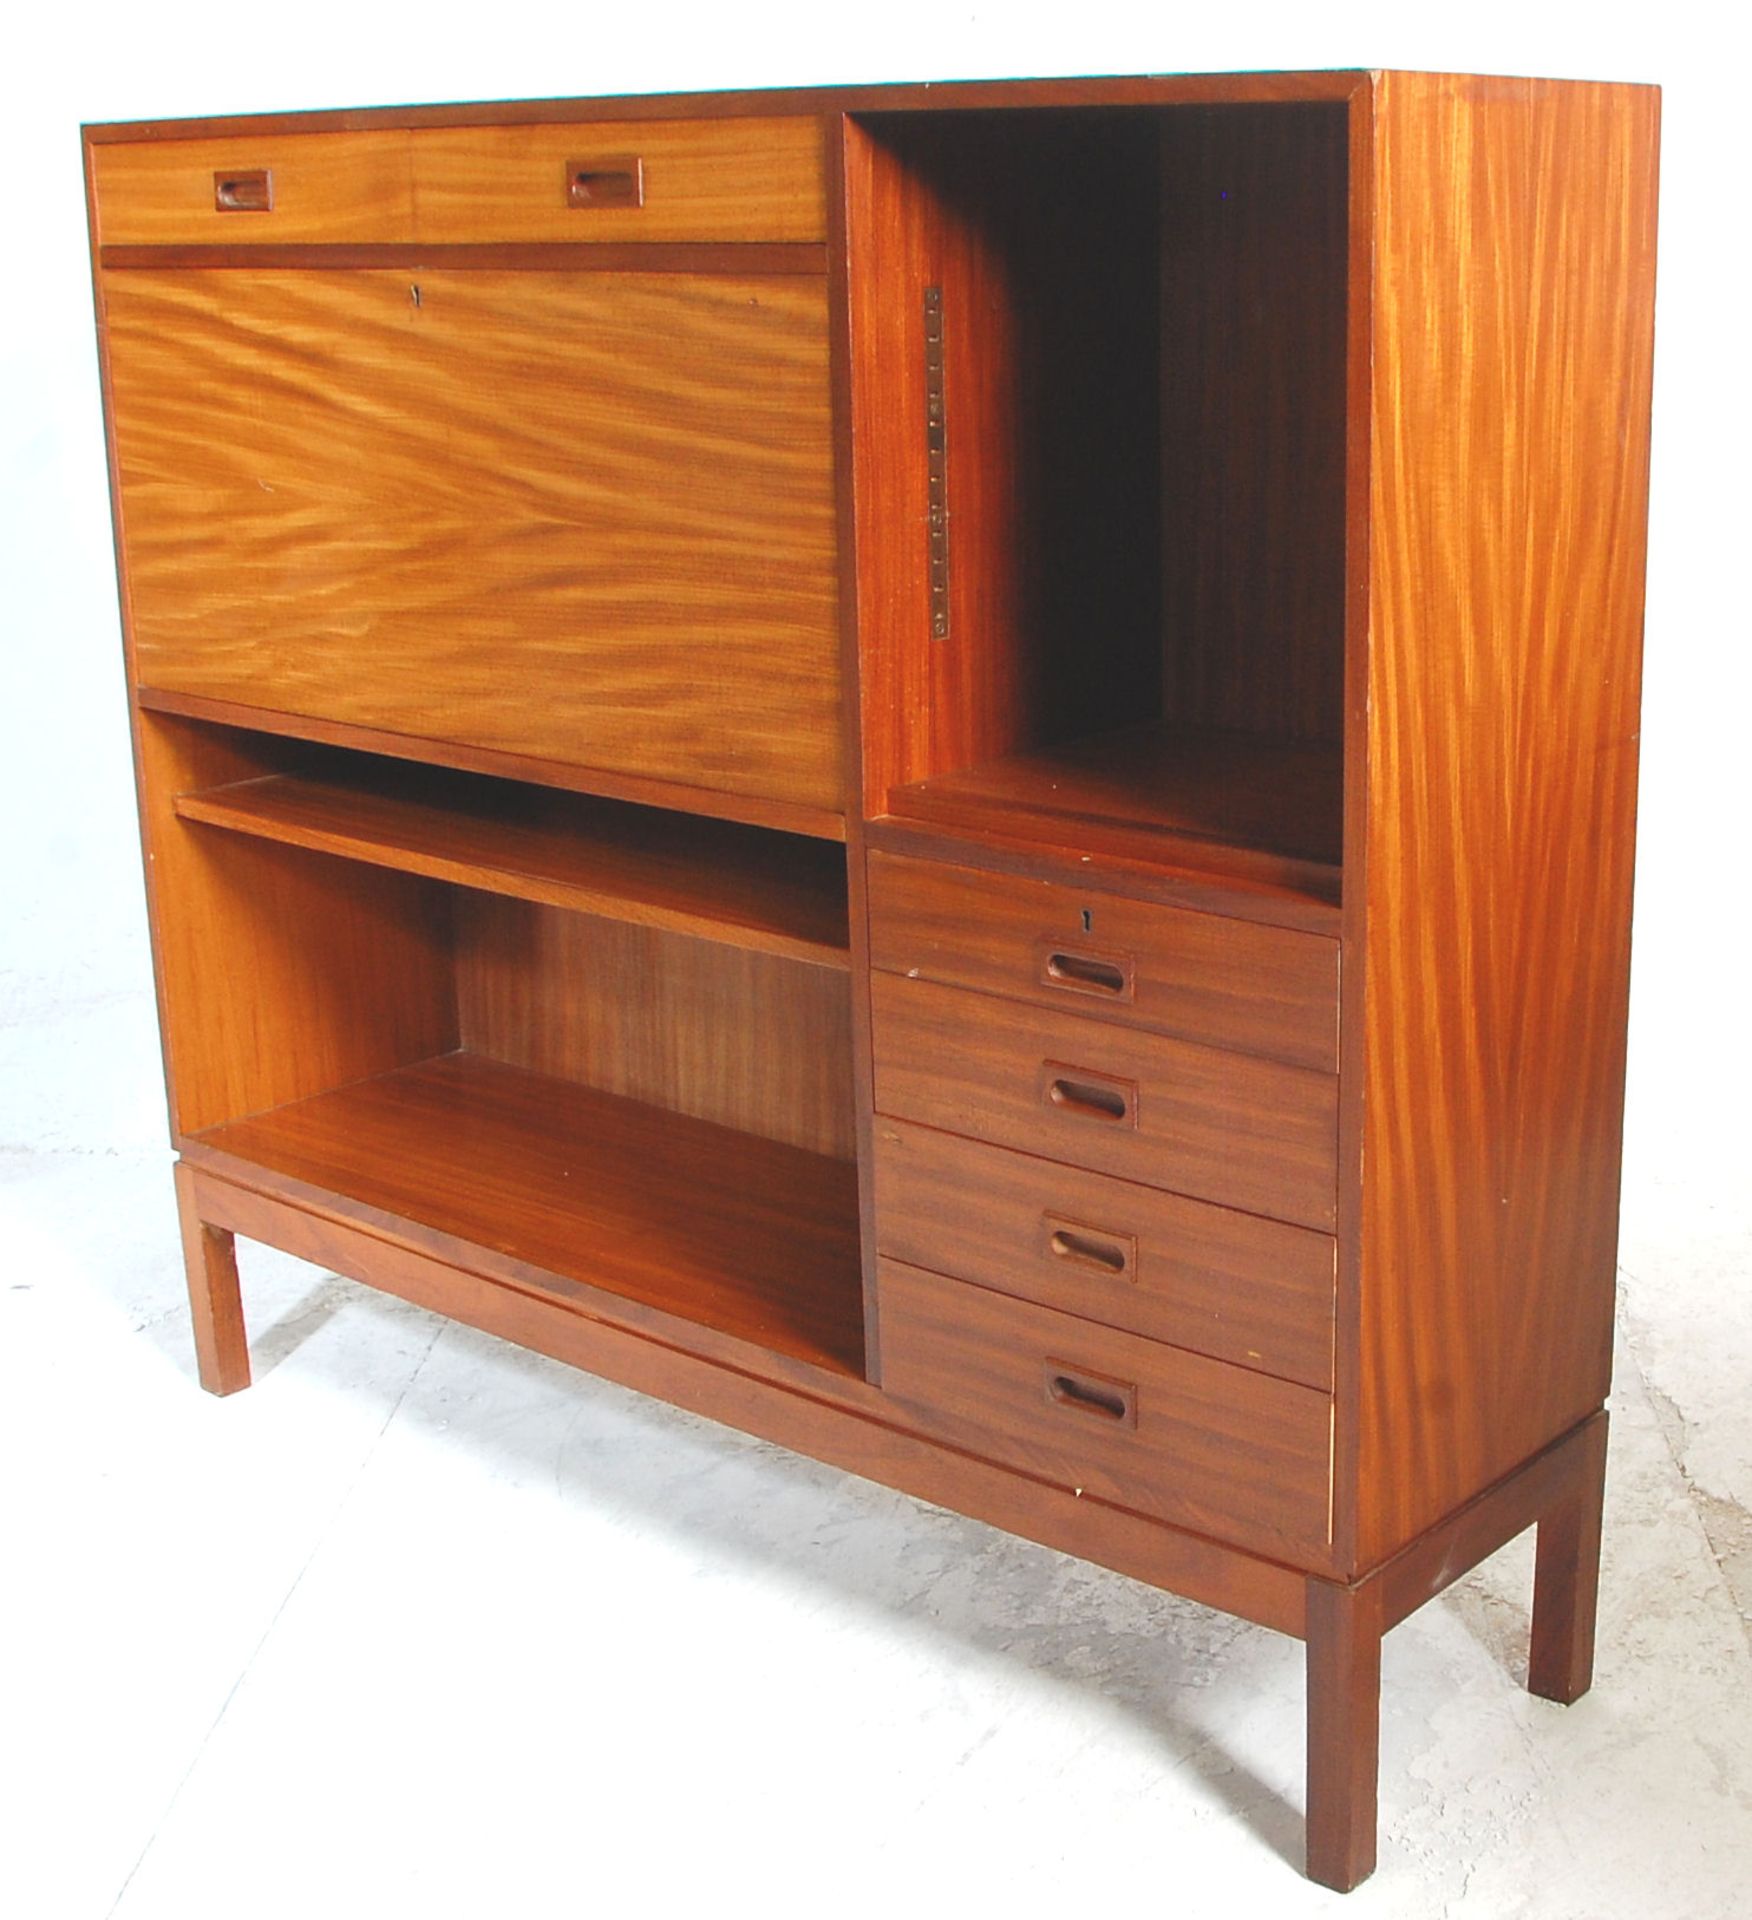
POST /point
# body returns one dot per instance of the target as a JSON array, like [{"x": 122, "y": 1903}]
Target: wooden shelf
[
  {"x": 555, "y": 1186},
  {"x": 1216, "y": 802},
  {"x": 741, "y": 886}
]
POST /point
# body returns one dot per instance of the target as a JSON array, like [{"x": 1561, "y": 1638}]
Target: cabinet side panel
[
  {"x": 1513, "y": 330},
  {"x": 1037, "y": 233},
  {"x": 281, "y": 973}
]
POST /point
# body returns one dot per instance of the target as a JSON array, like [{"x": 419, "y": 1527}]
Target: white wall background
[{"x": 79, "y": 1072}]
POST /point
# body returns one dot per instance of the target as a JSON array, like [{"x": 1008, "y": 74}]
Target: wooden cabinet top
[{"x": 1120, "y": 90}]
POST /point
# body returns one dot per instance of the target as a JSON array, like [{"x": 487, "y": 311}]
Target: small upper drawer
[
  {"x": 1233, "y": 1454},
  {"x": 255, "y": 190},
  {"x": 1256, "y": 1292},
  {"x": 1244, "y": 1133},
  {"x": 1228, "y": 983},
  {"x": 677, "y": 180}
]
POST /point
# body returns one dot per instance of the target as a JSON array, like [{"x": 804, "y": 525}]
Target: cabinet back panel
[
  {"x": 1254, "y": 268},
  {"x": 749, "y": 1040},
  {"x": 586, "y": 518}
]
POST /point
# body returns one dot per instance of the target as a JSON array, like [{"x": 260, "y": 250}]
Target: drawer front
[
  {"x": 584, "y": 517},
  {"x": 255, "y": 190},
  {"x": 1219, "y": 1126},
  {"x": 673, "y": 180},
  {"x": 1254, "y": 1292},
  {"x": 1228, "y": 983},
  {"x": 1185, "y": 1439}
]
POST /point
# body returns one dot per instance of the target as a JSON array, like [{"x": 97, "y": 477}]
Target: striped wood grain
[
  {"x": 1513, "y": 309},
  {"x": 748, "y": 1040},
  {"x": 1253, "y": 418},
  {"x": 586, "y": 518},
  {"x": 1218, "y": 1126},
  {"x": 281, "y": 972},
  {"x": 1231, "y": 1453}
]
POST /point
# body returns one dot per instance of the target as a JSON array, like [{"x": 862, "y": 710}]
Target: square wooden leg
[
  {"x": 210, "y": 1254},
  {"x": 1566, "y": 1580},
  {"x": 1344, "y": 1731}
]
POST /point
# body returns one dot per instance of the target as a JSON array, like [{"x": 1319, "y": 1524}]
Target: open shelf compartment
[
  {"x": 1262, "y": 811},
  {"x": 1107, "y": 479},
  {"x": 564, "y": 1043},
  {"x": 610, "y": 1202},
  {"x": 747, "y": 886}
]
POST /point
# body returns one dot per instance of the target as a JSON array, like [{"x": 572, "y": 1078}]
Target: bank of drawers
[
  {"x": 1106, "y": 1168},
  {"x": 605, "y": 180}
]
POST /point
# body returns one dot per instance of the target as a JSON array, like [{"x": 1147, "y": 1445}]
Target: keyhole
[
  {"x": 414, "y": 295},
  {"x": 1088, "y": 919}
]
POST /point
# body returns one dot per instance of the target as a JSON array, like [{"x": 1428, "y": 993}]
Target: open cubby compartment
[
  {"x": 1119, "y": 336},
  {"x": 418, "y": 996}
]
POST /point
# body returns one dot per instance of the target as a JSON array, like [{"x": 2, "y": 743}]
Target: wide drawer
[
  {"x": 1220, "y": 1126},
  {"x": 255, "y": 190},
  {"x": 1251, "y": 1291},
  {"x": 1185, "y": 1439},
  {"x": 628, "y": 180},
  {"x": 1229, "y": 983}
]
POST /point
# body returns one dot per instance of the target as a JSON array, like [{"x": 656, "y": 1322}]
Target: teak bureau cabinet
[{"x": 945, "y": 772}]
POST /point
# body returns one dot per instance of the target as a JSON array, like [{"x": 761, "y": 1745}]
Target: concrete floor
[{"x": 424, "y": 1625}]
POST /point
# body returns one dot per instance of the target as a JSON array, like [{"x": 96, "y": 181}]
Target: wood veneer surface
[
  {"x": 1223, "y": 800},
  {"x": 587, "y": 518},
  {"x": 1513, "y": 295},
  {"x": 1050, "y": 350},
  {"x": 746, "y": 1039},
  {"x": 1143, "y": 875},
  {"x": 1223, "y": 1127},
  {"x": 639, "y": 864},
  {"x": 1234, "y": 1454},
  {"x": 1117, "y": 90},
  {"x": 353, "y": 188},
  {"x": 747, "y": 1236},
  {"x": 1225, "y": 982},
  {"x": 280, "y": 972},
  {"x": 1251, "y": 1291},
  {"x": 783, "y": 816},
  {"x": 1254, "y": 288},
  {"x": 727, "y": 180}
]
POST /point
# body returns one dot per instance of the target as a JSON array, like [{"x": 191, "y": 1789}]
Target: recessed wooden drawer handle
[
  {"x": 251, "y": 191},
  {"x": 1090, "y": 1393},
  {"x": 1109, "y": 978},
  {"x": 1080, "y": 1246},
  {"x": 614, "y": 182},
  {"x": 1090, "y": 1096}
]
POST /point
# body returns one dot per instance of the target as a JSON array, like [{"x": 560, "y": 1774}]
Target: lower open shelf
[{"x": 749, "y": 1237}]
